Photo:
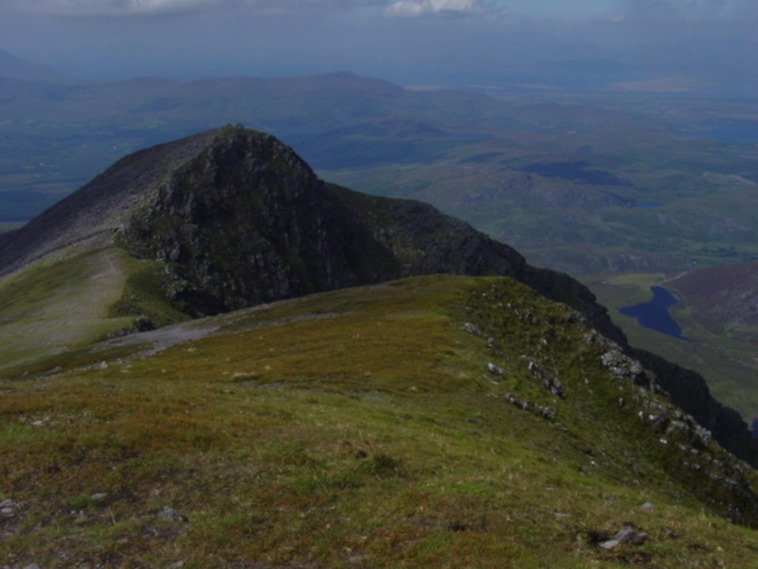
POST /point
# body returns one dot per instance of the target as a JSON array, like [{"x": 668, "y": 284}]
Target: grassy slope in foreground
[
  {"x": 62, "y": 305},
  {"x": 358, "y": 428}
]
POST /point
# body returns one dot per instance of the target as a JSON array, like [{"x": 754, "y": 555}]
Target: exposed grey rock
[
  {"x": 625, "y": 368},
  {"x": 627, "y": 534},
  {"x": 536, "y": 408},
  {"x": 494, "y": 370},
  {"x": 171, "y": 515},
  {"x": 7, "y": 508},
  {"x": 472, "y": 329},
  {"x": 81, "y": 518},
  {"x": 547, "y": 380}
]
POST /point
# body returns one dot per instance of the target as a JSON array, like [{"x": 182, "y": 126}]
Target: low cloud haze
[{"x": 687, "y": 42}]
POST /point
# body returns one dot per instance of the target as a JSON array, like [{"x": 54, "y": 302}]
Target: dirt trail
[
  {"x": 72, "y": 311},
  {"x": 163, "y": 338}
]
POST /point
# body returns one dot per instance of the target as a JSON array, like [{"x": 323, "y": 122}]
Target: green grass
[
  {"x": 60, "y": 305},
  {"x": 353, "y": 428},
  {"x": 144, "y": 297},
  {"x": 50, "y": 312}
]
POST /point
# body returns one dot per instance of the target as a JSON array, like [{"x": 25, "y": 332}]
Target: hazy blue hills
[
  {"x": 621, "y": 183},
  {"x": 15, "y": 68}
]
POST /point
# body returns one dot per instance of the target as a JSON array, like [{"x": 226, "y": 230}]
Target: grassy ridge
[
  {"x": 60, "y": 305},
  {"x": 358, "y": 428}
]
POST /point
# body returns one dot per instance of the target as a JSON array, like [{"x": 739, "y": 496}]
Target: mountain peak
[{"x": 90, "y": 216}]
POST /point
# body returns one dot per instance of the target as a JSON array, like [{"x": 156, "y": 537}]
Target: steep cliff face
[
  {"x": 690, "y": 391},
  {"x": 237, "y": 219},
  {"x": 247, "y": 221}
]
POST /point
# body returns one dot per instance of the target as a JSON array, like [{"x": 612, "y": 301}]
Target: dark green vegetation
[
  {"x": 284, "y": 436},
  {"x": 581, "y": 183}
]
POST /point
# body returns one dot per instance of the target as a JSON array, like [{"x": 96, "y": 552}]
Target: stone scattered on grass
[
  {"x": 172, "y": 515},
  {"x": 81, "y": 518},
  {"x": 536, "y": 408},
  {"x": 7, "y": 508},
  {"x": 494, "y": 370},
  {"x": 627, "y": 534},
  {"x": 548, "y": 381}
]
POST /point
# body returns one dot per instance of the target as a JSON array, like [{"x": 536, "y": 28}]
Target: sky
[{"x": 406, "y": 41}]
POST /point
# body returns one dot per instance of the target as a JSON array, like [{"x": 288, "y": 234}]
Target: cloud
[
  {"x": 153, "y": 7},
  {"x": 414, "y": 8},
  {"x": 108, "y": 7}
]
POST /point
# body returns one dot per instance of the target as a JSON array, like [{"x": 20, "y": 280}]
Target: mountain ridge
[
  {"x": 15, "y": 68},
  {"x": 235, "y": 218}
]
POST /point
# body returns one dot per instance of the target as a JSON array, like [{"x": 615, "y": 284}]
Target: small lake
[{"x": 655, "y": 313}]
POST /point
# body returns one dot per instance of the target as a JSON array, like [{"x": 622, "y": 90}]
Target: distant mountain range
[
  {"x": 593, "y": 169},
  {"x": 13, "y": 67}
]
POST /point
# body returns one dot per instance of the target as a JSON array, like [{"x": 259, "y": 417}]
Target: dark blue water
[{"x": 655, "y": 313}]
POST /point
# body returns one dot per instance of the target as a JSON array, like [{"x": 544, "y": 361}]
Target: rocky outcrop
[
  {"x": 90, "y": 216},
  {"x": 247, "y": 221},
  {"x": 689, "y": 391},
  {"x": 238, "y": 219}
]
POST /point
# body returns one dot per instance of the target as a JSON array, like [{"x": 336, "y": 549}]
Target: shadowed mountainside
[
  {"x": 235, "y": 219},
  {"x": 724, "y": 300}
]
